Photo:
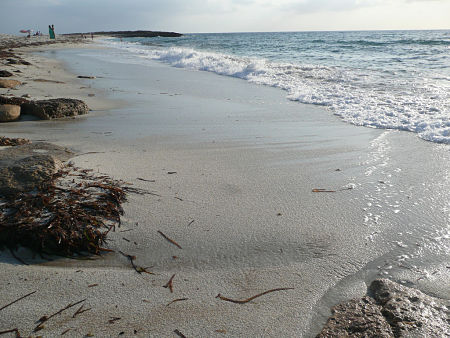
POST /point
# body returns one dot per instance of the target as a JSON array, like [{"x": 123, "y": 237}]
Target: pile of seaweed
[{"x": 72, "y": 215}]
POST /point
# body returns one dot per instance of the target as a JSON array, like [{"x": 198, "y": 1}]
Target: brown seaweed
[{"x": 72, "y": 213}]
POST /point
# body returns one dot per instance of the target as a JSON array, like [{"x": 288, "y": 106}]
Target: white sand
[{"x": 244, "y": 176}]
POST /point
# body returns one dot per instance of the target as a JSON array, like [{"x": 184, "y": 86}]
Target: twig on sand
[
  {"x": 145, "y": 180},
  {"x": 80, "y": 311},
  {"x": 113, "y": 319},
  {"x": 15, "y": 301},
  {"x": 169, "y": 284},
  {"x": 43, "y": 319},
  {"x": 323, "y": 190},
  {"x": 138, "y": 269},
  {"x": 251, "y": 298},
  {"x": 170, "y": 240},
  {"x": 65, "y": 331},
  {"x": 16, "y": 331},
  {"x": 176, "y": 300},
  {"x": 179, "y": 333},
  {"x": 191, "y": 222}
]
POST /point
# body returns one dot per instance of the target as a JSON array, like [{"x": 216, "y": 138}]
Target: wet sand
[{"x": 234, "y": 165}]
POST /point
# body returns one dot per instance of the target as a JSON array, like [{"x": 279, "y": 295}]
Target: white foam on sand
[{"x": 359, "y": 96}]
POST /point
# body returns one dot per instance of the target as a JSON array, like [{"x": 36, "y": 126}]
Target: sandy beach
[{"x": 233, "y": 184}]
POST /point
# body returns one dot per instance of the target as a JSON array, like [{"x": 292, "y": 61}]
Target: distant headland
[{"x": 134, "y": 34}]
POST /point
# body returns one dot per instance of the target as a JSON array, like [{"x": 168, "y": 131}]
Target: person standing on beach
[{"x": 51, "y": 31}]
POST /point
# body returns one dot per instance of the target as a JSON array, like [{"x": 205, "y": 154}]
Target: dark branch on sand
[{"x": 251, "y": 298}]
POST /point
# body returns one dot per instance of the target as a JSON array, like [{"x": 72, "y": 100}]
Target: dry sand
[{"x": 233, "y": 188}]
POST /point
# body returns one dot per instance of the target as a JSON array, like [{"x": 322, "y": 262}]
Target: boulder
[
  {"x": 389, "y": 310},
  {"x": 55, "y": 108},
  {"x": 27, "y": 167},
  {"x": 9, "y": 83},
  {"x": 5, "y": 73},
  {"x": 9, "y": 112},
  {"x": 357, "y": 318}
]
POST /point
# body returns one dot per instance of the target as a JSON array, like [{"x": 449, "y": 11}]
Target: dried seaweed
[{"x": 71, "y": 214}]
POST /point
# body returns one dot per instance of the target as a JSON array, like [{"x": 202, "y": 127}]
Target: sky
[{"x": 203, "y": 16}]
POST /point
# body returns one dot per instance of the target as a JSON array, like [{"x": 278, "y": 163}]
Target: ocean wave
[{"x": 359, "y": 96}]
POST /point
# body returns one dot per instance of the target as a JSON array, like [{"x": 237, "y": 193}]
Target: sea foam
[{"x": 379, "y": 98}]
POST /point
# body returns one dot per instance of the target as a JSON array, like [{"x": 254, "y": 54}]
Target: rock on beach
[
  {"x": 55, "y": 108},
  {"x": 7, "y": 83},
  {"x": 29, "y": 166},
  {"x": 9, "y": 112}
]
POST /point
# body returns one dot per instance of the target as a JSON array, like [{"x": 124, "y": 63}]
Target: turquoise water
[{"x": 382, "y": 79}]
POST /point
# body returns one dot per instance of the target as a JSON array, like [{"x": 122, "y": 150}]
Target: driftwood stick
[
  {"x": 251, "y": 298},
  {"x": 170, "y": 240},
  {"x": 15, "y": 301}
]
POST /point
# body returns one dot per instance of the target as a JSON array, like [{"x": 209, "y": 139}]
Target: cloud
[{"x": 313, "y": 6}]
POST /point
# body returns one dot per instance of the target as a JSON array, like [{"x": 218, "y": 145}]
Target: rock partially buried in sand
[
  {"x": 390, "y": 310},
  {"x": 5, "y": 73},
  {"x": 30, "y": 166},
  {"x": 55, "y": 108},
  {"x": 9, "y": 83},
  {"x": 9, "y": 112}
]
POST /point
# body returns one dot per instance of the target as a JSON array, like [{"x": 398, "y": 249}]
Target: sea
[{"x": 379, "y": 79}]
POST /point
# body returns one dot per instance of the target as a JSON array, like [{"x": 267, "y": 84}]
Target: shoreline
[{"x": 226, "y": 185}]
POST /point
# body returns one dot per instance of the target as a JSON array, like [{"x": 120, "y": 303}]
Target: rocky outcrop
[
  {"x": 389, "y": 310},
  {"x": 9, "y": 112},
  {"x": 27, "y": 167},
  {"x": 55, "y": 108},
  {"x": 4, "y": 83},
  {"x": 5, "y": 73}
]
